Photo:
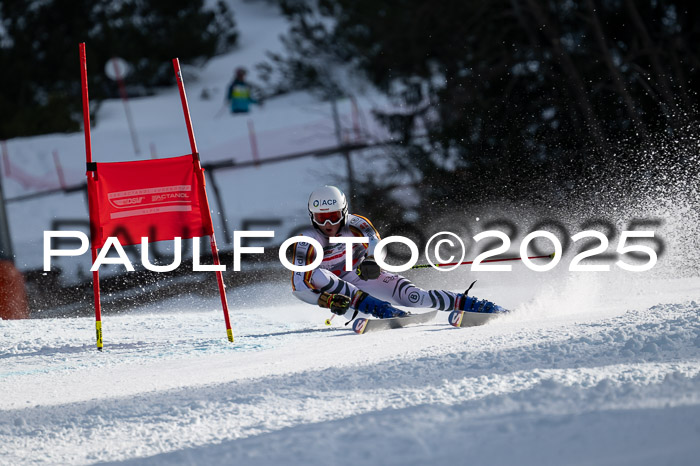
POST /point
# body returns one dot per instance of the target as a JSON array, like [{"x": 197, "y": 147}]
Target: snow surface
[
  {"x": 591, "y": 368},
  {"x": 605, "y": 384}
]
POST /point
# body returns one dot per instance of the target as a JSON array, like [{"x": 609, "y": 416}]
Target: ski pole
[
  {"x": 425, "y": 266},
  {"x": 328, "y": 321}
]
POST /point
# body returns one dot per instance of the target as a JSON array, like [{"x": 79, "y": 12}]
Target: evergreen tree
[
  {"x": 39, "y": 52},
  {"x": 493, "y": 99}
]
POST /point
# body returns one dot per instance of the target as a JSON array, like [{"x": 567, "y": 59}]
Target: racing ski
[
  {"x": 472, "y": 319},
  {"x": 363, "y": 325}
]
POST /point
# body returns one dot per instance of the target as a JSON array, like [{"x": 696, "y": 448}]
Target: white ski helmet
[{"x": 328, "y": 204}]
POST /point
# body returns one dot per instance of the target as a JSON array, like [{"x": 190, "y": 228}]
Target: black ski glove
[
  {"x": 337, "y": 303},
  {"x": 368, "y": 270}
]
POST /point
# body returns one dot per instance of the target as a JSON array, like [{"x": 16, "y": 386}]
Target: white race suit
[{"x": 331, "y": 276}]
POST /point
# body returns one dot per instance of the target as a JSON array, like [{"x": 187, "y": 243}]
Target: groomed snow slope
[{"x": 613, "y": 378}]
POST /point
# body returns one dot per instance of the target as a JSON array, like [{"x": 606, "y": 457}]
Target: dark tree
[
  {"x": 39, "y": 52},
  {"x": 495, "y": 99}
]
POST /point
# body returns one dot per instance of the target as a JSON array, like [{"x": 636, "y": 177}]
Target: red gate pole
[
  {"x": 193, "y": 146},
  {"x": 59, "y": 170},
  {"x": 91, "y": 177}
]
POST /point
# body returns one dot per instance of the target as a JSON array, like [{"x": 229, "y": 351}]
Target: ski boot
[
  {"x": 474, "y": 304},
  {"x": 363, "y": 302},
  {"x": 470, "y": 311}
]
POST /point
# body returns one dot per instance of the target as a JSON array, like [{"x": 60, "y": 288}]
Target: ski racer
[{"x": 366, "y": 288}]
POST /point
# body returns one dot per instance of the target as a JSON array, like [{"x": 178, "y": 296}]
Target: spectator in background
[{"x": 239, "y": 93}]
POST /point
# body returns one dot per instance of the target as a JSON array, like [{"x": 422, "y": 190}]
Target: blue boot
[
  {"x": 375, "y": 307},
  {"x": 474, "y": 304}
]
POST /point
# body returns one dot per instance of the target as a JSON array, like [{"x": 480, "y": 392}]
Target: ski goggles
[{"x": 322, "y": 217}]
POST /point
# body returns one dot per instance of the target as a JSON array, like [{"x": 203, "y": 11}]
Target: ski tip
[
  {"x": 359, "y": 326},
  {"x": 456, "y": 318}
]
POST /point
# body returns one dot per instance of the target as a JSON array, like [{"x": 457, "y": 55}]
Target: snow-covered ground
[
  {"x": 590, "y": 368},
  {"x": 611, "y": 378}
]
